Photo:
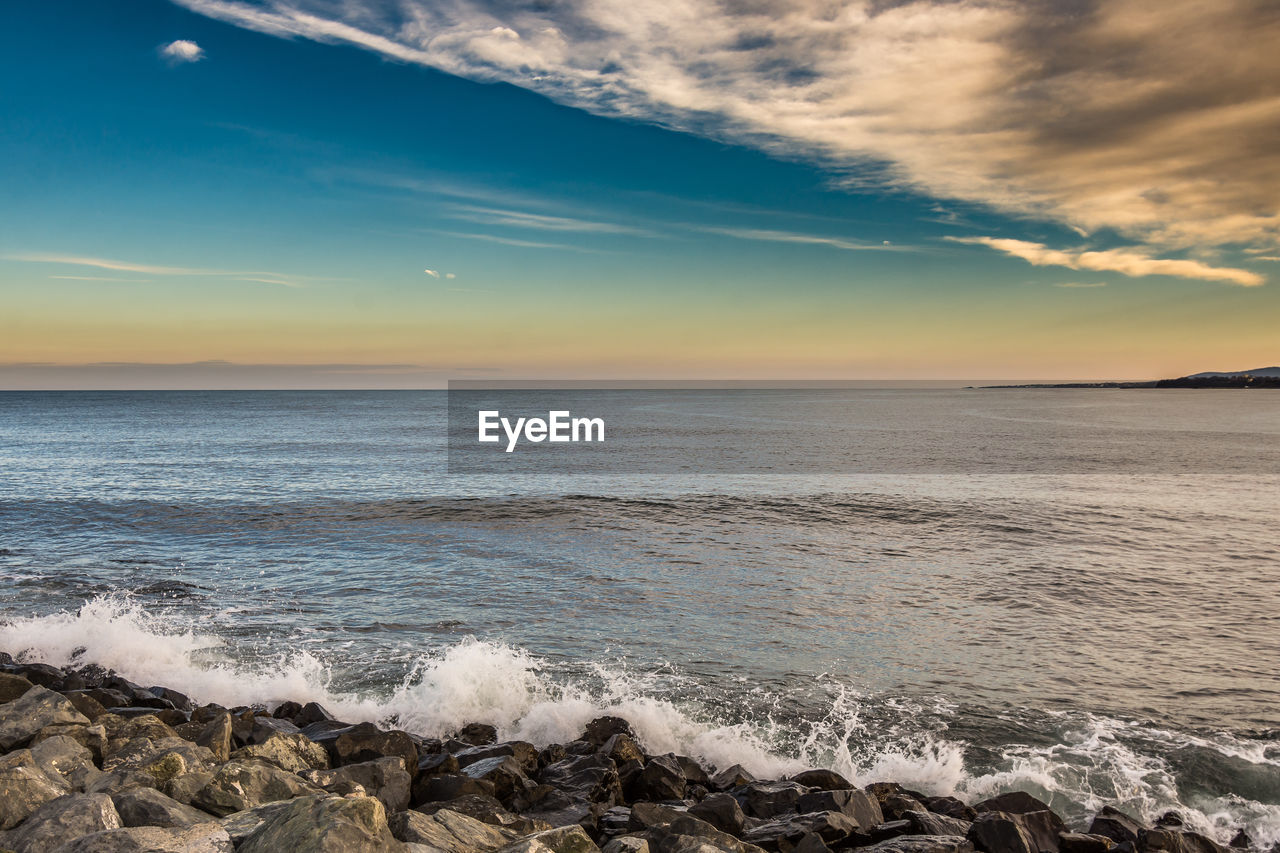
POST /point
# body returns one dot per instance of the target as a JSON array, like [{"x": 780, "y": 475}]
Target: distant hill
[
  {"x": 1270, "y": 372},
  {"x": 1263, "y": 377}
]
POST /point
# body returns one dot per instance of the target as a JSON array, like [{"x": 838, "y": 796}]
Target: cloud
[
  {"x": 806, "y": 239},
  {"x": 150, "y": 269},
  {"x": 511, "y": 241},
  {"x": 540, "y": 221},
  {"x": 432, "y": 273},
  {"x": 1152, "y": 121},
  {"x": 1130, "y": 262},
  {"x": 1080, "y": 284},
  {"x": 450, "y": 276},
  {"x": 181, "y": 51}
]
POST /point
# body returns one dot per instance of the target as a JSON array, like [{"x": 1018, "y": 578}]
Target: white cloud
[
  {"x": 262, "y": 277},
  {"x": 450, "y": 276},
  {"x": 540, "y": 221},
  {"x": 182, "y": 50},
  {"x": 1081, "y": 284},
  {"x": 432, "y": 273},
  {"x": 1131, "y": 262},
  {"x": 1153, "y": 121},
  {"x": 795, "y": 237}
]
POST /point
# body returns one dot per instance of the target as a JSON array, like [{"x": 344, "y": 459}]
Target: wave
[{"x": 1218, "y": 782}]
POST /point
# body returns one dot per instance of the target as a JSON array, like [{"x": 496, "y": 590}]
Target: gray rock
[
  {"x": 149, "y": 807},
  {"x": 185, "y": 787},
  {"x": 449, "y": 832},
  {"x": 525, "y": 753},
  {"x": 721, "y": 811},
  {"x": 504, "y": 772},
  {"x": 770, "y": 799},
  {"x": 384, "y": 778},
  {"x": 324, "y": 824},
  {"x": 927, "y": 823},
  {"x": 86, "y": 704},
  {"x": 921, "y": 844},
  {"x": 161, "y": 760},
  {"x": 627, "y": 844},
  {"x": 1171, "y": 839},
  {"x": 564, "y": 839},
  {"x": 832, "y": 827},
  {"x": 216, "y": 736},
  {"x": 292, "y": 752},
  {"x": 1000, "y": 832},
  {"x": 62, "y": 820},
  {"x": 823, "y": 780},
  {"x": 92, "y": 738},
  {"x": 1013, "y": 802},
  {"x": 592, "y": 777},
  {"x": 201, "y": 838},
  {"x": 487, "y": 810},
  {"x": 240, "y": 785},
  {"x": 12, "y": 686},
  {"x": 30, "y": 712},
  {"x": 734, "y": 776},
  {"x": 661, "y": 779},
  {"x": 365, "y": 742},
  {"x": 1080, "y": 842},
  {"x": 240, "y": 825},
  {"x": 670, "y": 829},
  {"x": 859, "y": 805},
  {"x": 1116, "y": 825},
  {"x": 24, "y": 788}
]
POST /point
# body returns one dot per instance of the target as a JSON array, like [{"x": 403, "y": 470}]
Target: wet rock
[
  {"x": 64, "y": 819},
  {"x": 448, "y": 786},
  {"x": 365, "y": 742},
  {"x": 564, "y": 839},
  {"x": 32, "y": 711},
  {"x": 478, "y": 734},
  {"x": 592, "y": 777},
  {"x": 831, "y": 827},
  {"x": 1170, "y": 820},
  {"x": 1116, "y": 825},
  {"x": 240, "y": 825},
  {"x": 627, "y": 844},
  {"x": 770, "y": 799},
  {"x": 951, "y": 807},
  {"x": 216, "y": 736},
  {"x": 823, "y": 780},
  {"x": 488, "y": 810},
  {"x": 42, "y": 674},
  {"x": 889, "y": 829},
  {"x": 449, "y": 832},
  {"x": 600, "y": 729},
  {"x": 161, "y": 760},
  {"x": 61, "y": 758},
  {"x": 928, "y": 823},
  {"x": 673, "y": 831},
  {"x": 177, "y": 700},
  {"x": 525, "y": 754},
  {"x": 661, "y": 779},
  {"x": 108, "y": 698},
  {"x": 1174, "y": 840},
  {"x": 811, "y": 844},
  {"x": 85, "y": 704},
  {"x": 239, "y": 785},
  {"x": 149, "y": 807},
  {"x": 1002, "y": 832},
  {"x": 623, "y": 748},
  {"x": 896, "y": 806},
  {"x": 721, "y": 811},
  {"x": 12, "y": 686},
  {"x": 92, "y": 738},
  {"x": 266, "y": 727},
  {"x": 734, "y": 776},
  {"x": 921, "y": 844},
  {"x": 1014, "y": 802},
  {"x": 384, "y": 778},
  {"x": 1079, "y": 842},
  {"x": 201, "y": 838},
  {"x": 312, "y": 712},
  {"x": 437, "y": 763},
  {"x": 23, "y": 789},
  {"x": 859, "y": 805},
  {"x": 552, "y": 753},
  {"x": 324, "y": 824},
  {"x": 287, "y": 711},
  {"x": 288, "y": 751},
  {"x": 1240, "y": 840},
  {"x": 504, "y": 773}
]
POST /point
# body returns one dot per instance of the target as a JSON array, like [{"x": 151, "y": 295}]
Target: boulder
[
  {"x": 1171, "y": 839},
  {"x": 928, "y": 823},
  {"x": 662, "y": 778},
  {"x": 288, "y": 751},
  {"x": 86, "y": 704},
  {"x": 1080, "y": 842},
  {"x": 92, "y": 738},
  {"x": 721, "y": 811},
  {"x": 312, "y": 712},
  {"x": 1004, "y": 832},
  {"x": 921, "y": 844},
  {"x": 384, "y": 778},
  {"x": 23, "y": 789},
  {"x": 1014, "y": 802},
  {"x": 201, "y": 838},
  {"x": 160, "y": 760},
  {"x": 449, "y": 786},
  {"x": 487, "y": 810},
  {"x": 592, "y": 777},
  {"x": 770, "y": 799},
  {"x": 693, "y": 771},
  {"x": 823, "y": 780},
  {"x": 951, "y": 807},
  {"x": 505, "y": 773},
  {"x": 627, "y": 844},
  {"x": 623, "y": 748},
  {"x": 1116, "y": 825},
  {"x": 366, "y": 742},
  {"x": 324, "y": 824},
  {"x": 149, "y": 807},
  {"x": 216, "y": 737},
  {"x": 62, "y": 758},
  {"x": 12, "y": 686},
  {"x": 437, "y": 763},
  {"x": 185, "y": 787},
  {"x": 564, "y": 839},
  {"x": 859, "y": 805},
  {"x": 526, "y": 754},
  {"x": 599, "y": 730},
  {"x": 733, "y": 776},
  {"x": 240, "y": 825},
  {"x": 32, "y": 711},
  {"x": 239, "y": 785},
  {"x": 673, "y": 831},
  {"x": 478, "y": 734},
  {"x": 830, "y": 827},
  {"x": 449, "y": 832},
  {"x": 64, "y": 819}
]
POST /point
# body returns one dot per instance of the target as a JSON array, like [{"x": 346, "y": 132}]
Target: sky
[{"x": 395, "y": 193}]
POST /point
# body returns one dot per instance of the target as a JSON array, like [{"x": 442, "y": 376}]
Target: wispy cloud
[
  {"x": 182, "y": 51},
  {"x": 805, "y": 239},
  {"x": 1153, "y": 122},
  {"x": 100, "y": 278},
  {"x": 432, "y": 273},
  {"x": 261, "y": 277},
  {"x": 541, "y": 221},
  {"x": 511, "y": 241},
  {"x": 1131, "y": 262},
  {"x": 1080, "y": 284}
]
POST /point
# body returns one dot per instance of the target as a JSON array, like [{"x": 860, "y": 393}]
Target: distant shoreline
[{"x": 1182, "y": 382}]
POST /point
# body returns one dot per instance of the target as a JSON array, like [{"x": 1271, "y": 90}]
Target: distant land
[{"x": 1262, "y": 377}]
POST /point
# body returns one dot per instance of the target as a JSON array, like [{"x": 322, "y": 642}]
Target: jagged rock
[
  {"x": 921, "y": 844},
  {"x": 437, "y": 763},
  {"x": 365, "y": 742},
  {"x": 928, "y": 823},
  {"x": 1174, "y": 840},
  {"x": 449, "y": 786},
  {"x": 265, "y": 727},
  {"x": 30, "y": 712},
  {"x": 478, "y": 734},
  {"x": 384, "y": 778},
  {"x": 661, "y": 779},
  {"x": 592, "y": 777},
  {"x": 161, "y": 761},
  {"x": 770, "y": 799},
  {"x": 42, "y": 674},
  {"x": 149, "y": 807},
  {"x": 287, "y": 711},
  {"x": 216, "y": 737},
  {"x": 1004, "y": 832},
  {"x": 288, "y": 751},
  {"x": 889, "y": 829},
  {"x": 504, "y": 773},
  {"x": 239, "y": 785},
  {"x": 207, "y": 713},
  {"x": 951, "y": 807},
  {"x": 552, "y": 753},
  {"x": 487, "y": 810},
  {"x": 1116, "y": 825},
  {"x": 324, "y": 824},
  {"x": 177, "y": 700},
  {"x": 693, "y": 771},
  {"x": 1240, "y": 840},
  {"x": 201, "y": 838},
  {"x": 525, "y": 754},
  {"x": 896, "y": 806},
  {"x": 1079, "y": 842},
  {"x": 1014, "y": 802},
  {"x": 86, "y": 704},
  {"x": 622, "y": 748},
  {"x": 627, "y": 844},
  {"x": 449, "y": 832},
  {"x": 185, "y": 787},
  {"x": 240, "y": 825},
  {"x": 811, "y": 844},
  {"x": 721, "y": 811},
  {"x": 312, "y": 712},
  {"x": 670, "y": 830},
  {"x": 24, "y": 788},
  {"x": 734, "y": 776},
  {"x": 121, "y": 731},
  {"x": 64, "y": 819},
  {"x": 823, "y": 780},
  {"x": 831, "y": 827},
  {"x": 859, "y": 805},
  {"x": 564, "y": 839},
  {"x": 599, "y": 730},
  {"x": 92, "y": 738},
  {"x": 108, "y": 698},
  {"x": 1170, "y": 820},
  {"x": 12, "y": 686},
  {"x": 61, "y": 757}
]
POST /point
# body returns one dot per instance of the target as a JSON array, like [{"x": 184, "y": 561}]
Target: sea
[{"x": 1085, "y": 606}]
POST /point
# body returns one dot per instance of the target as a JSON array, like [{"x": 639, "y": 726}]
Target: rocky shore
[{"x": 93, "y": 763}]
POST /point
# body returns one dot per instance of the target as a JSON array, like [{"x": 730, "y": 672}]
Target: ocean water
[{"x": 1099, "y": 627}]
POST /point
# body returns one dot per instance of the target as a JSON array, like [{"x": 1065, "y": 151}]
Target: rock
[
  {"x": 1014, "y": 802},
  {"x": 23, "y": 789},
  {"x": 177, "y": 700},
  {"x": 1170, "y": 820},
  {"x": 1240, "y": 840},
  {"x": 239, "y": 785},
  {"x": 1174, "y": 840},
  {"x": 661, "y": 779},
  {"x": 366, "y": 742},
  {"x": 265, "y": 727},
  {"x": 921, "y": 844},
  {"x": 62, "y": 820},
  {"x": 201, "y": 838},
  {"x": 216, "y": 737},
  {"x": 1001, "y": 832},
  {"x": 287, "y": 711},
  {"x": 312, "y": 712},
  {"x": 149, "y": 807},
  {"x": 895, "y": 806},
  {"x": 951, "y": 807},
  {"x": 927, "y": 823},
  {"x": 1079, "y": 842},
  {"x": 478, "y": 734},
  {"x": 859, "y": 805},
  {"x": 161, "y": 760},
  {"x": 488, "y": 810},
  {"x": 62, "y": 758},
  {"x": 592, "y": 777},
  {"x": 734, "y": 776},
  {"x": 811, "y": 844},
  {"x": 92, "y": 738},
  {"x": 108, "y": 698},
  {"x": 449, "y": 832},
  {"x": 324, "y": 824},
  {"x": 436, "y": 764},
  {"x": 889, "y": 829},
  {"x": 449, "y": 786},
  {"x": 832, "y": 827},
  {"x": 384, "y": 778},
  {"x": 721, "y": 811},
  {"x": 288, "y": 751},
  {"x": 504, "y": 773},
  {"x": 30, "y": 712},
  {"x": 1116, "y": 825},
  {"x": 525, "y": 754},
  {"x": 627, "y": 844},
  {"x": 42, "y": 674},
  {"x": 12, "y": 686},
  {"x": 86, "y": 704},
  {"x": 693, "y": 771},
  {"x": 564, "y": 839},
  {"x": 623, "y": 748},
  {"x": 240, "y": 825},
  {"x": 185, "y": 787},
  {"x": 770, "y": 799},
  {"x": 823, "y": 780},
  {"x": 600, "y": 729},
  {"x": 672, "y": 830}
]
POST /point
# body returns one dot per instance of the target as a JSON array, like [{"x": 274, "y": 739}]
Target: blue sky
[{"x": 382, "y": 197}]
